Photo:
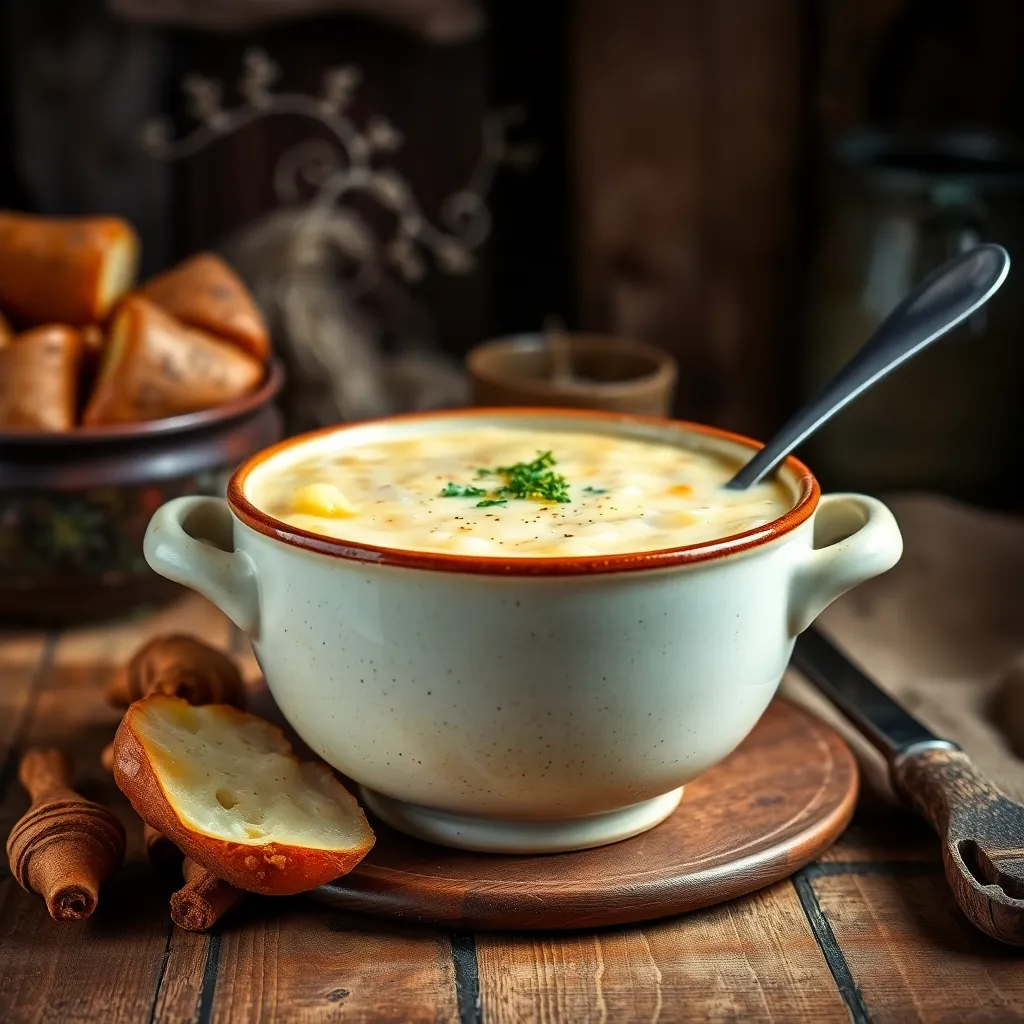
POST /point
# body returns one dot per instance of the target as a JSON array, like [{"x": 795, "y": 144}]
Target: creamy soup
[{"x": 499, "y": 491}]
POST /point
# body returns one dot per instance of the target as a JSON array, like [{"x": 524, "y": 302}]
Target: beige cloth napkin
[{"x": 941, "y": 632}]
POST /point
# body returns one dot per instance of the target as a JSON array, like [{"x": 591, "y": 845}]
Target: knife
[{"x": 981, "y": 829}]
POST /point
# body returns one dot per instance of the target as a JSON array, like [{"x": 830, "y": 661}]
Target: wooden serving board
[{"x": 776, "y": 803}]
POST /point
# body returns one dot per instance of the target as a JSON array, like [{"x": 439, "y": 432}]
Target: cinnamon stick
[
  {"x": 64, "y": 847},
  {"x": 203, "y": 900}
]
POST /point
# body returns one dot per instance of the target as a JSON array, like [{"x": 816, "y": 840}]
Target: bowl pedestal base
[
  {"x": 774, "y": 804},
  {"x": 492, "y": 835}
]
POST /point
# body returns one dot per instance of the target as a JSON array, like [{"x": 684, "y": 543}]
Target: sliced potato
[
  {"x": 322, "y": 499},
  {"x": 226, "y": 789}
]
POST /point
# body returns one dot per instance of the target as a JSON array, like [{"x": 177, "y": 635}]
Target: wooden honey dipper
[{"x": 64, "y": 847}]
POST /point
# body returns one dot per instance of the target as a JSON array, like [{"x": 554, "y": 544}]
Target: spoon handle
[{"x": 946, "y": 297}]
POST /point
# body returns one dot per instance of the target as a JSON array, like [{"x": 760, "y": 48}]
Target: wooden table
[{"x": 867, "y": 933}]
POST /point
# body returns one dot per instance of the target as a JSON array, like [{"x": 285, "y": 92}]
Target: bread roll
[
  {"x": 69, "y": 271},
  {"x": 154, "y": 366}
]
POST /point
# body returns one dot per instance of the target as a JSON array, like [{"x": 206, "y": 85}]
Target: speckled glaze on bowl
[
  {"x": 74, "y": 507},
  {"x": 523, "y": 705}
]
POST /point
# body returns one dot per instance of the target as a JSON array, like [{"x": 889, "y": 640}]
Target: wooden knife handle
[{"x": 982, "y": 833}]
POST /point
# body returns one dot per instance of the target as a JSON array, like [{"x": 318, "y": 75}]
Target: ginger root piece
[
  {"x": 205, "y": 293},
  {"x": 68, "y": 271},
  {"x": 203, "y": 900},
  {"x": 39, "y": 379},
  {"x": 226, "y": 789},
  {"x": 178, "y": 665},
  {"x": 153, "y": 366},
  {"x": 65, "y": 846}
]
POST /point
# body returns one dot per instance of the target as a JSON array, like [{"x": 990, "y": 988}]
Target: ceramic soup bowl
[{"x": 523, "y": 705}]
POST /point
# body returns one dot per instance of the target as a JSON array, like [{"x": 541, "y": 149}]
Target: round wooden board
[{"x": 777, "y": 802}]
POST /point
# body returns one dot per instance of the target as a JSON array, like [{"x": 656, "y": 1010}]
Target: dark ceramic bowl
[{"x": 74, "y": 507}]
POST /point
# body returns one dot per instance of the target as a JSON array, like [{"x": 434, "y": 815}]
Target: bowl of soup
[{"x": 521, "y": 630}]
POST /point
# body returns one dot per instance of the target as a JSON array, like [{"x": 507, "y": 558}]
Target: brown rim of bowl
[
  {"x": 266, "y": 392},
  {"x": 663, "y": 369},
  {"x": 580, "y": 565}
]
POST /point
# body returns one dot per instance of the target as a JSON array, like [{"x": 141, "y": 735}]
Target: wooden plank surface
[
  {"x": 294, "y": 960},
  {"x": 180, "y": 989},
  {"x": 109, "y": 967},
  {"x": 128, "y": 963},
  {"x": 105, "y": 969},
  {"x": 913, "y": 957},
  {"x": 755, "y": 959},
  {"x": 686, "y": 122},
  {"x": 892, "y": 837},
  {"x": 869, "y": 932}
]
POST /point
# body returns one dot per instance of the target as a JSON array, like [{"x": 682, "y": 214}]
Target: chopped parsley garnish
[
  {"x": 460, "y": 491},
  {"x": 534, "y": 479},
  {"x": 595, "y": 490},
  {"x": 524, "y": 480}
]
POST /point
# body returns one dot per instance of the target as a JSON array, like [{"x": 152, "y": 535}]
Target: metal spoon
[{"x": 945, "y": 298}]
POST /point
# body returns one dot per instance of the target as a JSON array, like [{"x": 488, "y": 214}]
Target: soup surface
[{"x": 502, "y": 491}]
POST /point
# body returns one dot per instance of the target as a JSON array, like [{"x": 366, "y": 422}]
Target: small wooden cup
[{"x": 606, "y": 373}]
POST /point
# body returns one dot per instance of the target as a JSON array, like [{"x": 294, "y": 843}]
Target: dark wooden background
[
  {"x": 700, "y": 140},
  {"x": 682, "y": 153}
]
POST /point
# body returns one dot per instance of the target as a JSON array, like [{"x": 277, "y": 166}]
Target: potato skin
[
  {"x": 205, "y": 293},
  {"x": 154, "y": 367},
  {"x": 39, "y": 379},
  {"x": 272, "y": 869},
  {"x": 55, "y": 270}
]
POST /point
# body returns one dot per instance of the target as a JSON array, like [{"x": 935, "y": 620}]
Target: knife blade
[{"x": 883, "y": 721}]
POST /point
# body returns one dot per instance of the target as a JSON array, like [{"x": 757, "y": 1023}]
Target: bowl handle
[
  {"x": 189, "y": 540},
  {"x": 855, "y": 538}
]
